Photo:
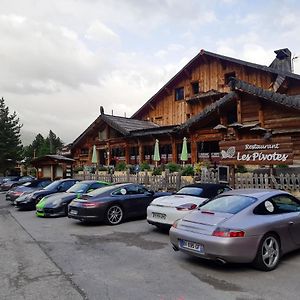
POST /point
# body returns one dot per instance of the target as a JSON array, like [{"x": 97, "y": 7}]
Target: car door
[
  {"x": 289, "y": 207},
  {"x": 137, "y": 199}
]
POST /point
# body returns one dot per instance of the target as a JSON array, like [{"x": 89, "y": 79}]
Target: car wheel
[
  {"x": 268, "y": 253},
  {"x": 114, "y": 215}
]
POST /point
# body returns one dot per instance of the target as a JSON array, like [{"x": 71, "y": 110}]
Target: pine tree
[
  {"x": 43, "y": 146},
  {"x": 10, "y": 142}
]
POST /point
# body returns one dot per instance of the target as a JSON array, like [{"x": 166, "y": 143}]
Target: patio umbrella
[
  {"x": 184, "y": 152},
  {"x": 156, "y": 156},
  {"x": 95, "y": 158},
  {"x": 94, "y": 155}
]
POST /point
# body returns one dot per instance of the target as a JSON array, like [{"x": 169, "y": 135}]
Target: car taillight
[
  {"x": 18, "y": 193},
  {"x": 231, "y": 233},
  {"x": 90, "y": 204},
  {"x": 187, "y": 206}
]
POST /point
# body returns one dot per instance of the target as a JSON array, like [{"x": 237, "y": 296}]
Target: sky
[{"x": 61, "y": 60}]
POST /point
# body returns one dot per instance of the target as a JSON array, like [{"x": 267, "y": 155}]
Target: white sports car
[{"x": 164, "y": 211}]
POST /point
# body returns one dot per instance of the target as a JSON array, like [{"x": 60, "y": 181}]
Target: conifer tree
[{"x": 10, "y": 141}]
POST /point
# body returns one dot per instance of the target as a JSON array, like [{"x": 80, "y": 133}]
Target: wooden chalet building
[{"x": 230, "y": 111}]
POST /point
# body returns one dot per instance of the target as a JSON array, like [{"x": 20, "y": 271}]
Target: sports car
[
  {"x": 162, "y": 212},
  {"x": 56, "y": 205},
  {"x": 244, "y": 226},
  {"x": 26, "y": 188},
  {"x": 29, "y": 201},
  {"x": 112, "y": 204},
  {"x": 15, "y": 181}
]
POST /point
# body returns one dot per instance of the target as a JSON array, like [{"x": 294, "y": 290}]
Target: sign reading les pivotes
[{"x": 257, "y": 151}]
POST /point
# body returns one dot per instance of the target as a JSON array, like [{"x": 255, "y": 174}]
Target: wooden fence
[{"x": 174, "y": 181}]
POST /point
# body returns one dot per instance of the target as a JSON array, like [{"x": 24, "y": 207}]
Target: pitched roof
[
  {"x": 154, "y": 131},
  {"x": 289, "y": 101},
  {"x": 239, "y": 85},
  {"x": 209, "y": 110},
  {"x": 54, "y": 157},
  {"x": 275, "y": 68},
  {"x": 121, "y": 124},
  {"x": 126, "y": 125}
]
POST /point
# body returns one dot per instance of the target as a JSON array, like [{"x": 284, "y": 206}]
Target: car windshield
[
  {"x": 228, "y": 204},
  {"x": 78, "y": 188},
  {"x": 52, "y": 186},
  {"x": 193, "y": 191}
]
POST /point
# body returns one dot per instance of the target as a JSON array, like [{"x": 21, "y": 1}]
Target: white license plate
[
  {"x": 159, "y": 215},
  {"x": 192, "y": 246},
  {"x": 73, "y": 212}
]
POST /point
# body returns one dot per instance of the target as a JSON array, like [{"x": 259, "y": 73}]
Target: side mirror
[{"x": 150, "y": 192}]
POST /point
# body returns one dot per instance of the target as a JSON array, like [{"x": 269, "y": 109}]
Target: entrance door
[{"x": 102, "y": 157}]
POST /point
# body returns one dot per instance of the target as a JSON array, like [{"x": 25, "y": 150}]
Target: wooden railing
[{"x": 174, "y": 181}]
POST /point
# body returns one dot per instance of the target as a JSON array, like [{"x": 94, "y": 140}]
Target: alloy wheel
[
  {"x": 270, "y": 252},
  {"x": 115, "y": 215}
]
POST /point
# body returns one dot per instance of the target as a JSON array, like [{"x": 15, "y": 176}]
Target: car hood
[
  {"x": 176, "y": 200},
  {"x": 25, "y": 189},
  {"x": 203, "y": 222},
  {"x": 58, "y": 198}
]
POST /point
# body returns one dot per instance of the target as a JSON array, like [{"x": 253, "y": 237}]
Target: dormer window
[
  {"x": 179, "y": 93},
  {"x": 195, "y": 88}
]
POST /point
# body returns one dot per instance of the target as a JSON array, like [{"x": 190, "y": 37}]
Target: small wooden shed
[{"x": 53, "y": 166}]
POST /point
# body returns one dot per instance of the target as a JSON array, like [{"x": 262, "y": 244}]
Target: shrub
[
  {"x": 197, "y": 168},
  {"x": 241, "y": 169},
  {"x": 78, "y": 169},
  {"x": 121, "y": 166},
  {"x": 172, "y": 167},
  {"x": 188, "y": 171},
  {"x": 102, "y": 168},
  {"x": 156, "y": 171},
  {"x": 145, "y": 166},
  {"x": 281, "y": 166}
]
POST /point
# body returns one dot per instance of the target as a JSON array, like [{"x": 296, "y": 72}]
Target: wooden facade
[{"x": 212, "y": 99}]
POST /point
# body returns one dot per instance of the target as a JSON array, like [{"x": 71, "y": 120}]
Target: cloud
[
  {"x": 100, "y": 32},
  {"x": 42, "y": 57}
]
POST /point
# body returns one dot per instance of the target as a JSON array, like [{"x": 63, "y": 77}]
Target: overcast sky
[{"x": 60, "y": 60}]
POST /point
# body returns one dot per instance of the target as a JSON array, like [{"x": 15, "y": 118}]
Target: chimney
[
  {"x": 283, "y": 61},
  {"x": 101, "y": 110}
]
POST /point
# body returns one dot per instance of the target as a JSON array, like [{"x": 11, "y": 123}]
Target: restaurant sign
[{"x": 257, "y": 152}]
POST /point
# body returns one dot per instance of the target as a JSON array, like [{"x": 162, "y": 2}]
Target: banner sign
[{"x": 258, "y": 152}]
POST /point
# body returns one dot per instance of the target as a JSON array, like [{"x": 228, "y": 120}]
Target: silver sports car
[{"x": 245, "y": 226}]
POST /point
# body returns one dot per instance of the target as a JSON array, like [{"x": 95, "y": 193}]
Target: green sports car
[{"x": 56, "y": 205}]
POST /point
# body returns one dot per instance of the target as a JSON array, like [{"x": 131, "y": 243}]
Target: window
[
  {"x": 277, "y": 205},
  {"x": 195, "y": 88},
  {"x": 179, "y": 93},
  {"x": 66, "y": 185},
  {"x": 135, "y": 190},
  {"x": 102, "y": 134},
  {"x": 229, "y": 204},
  {"x": 84, "y": 151},
  {"x": 227, "y": 77}
]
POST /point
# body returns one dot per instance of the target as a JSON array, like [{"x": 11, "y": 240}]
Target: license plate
[
  {"x": 159, "y": 215},
  {"x": 192, "y": 246},
  {"x": 73, "y": 212}
]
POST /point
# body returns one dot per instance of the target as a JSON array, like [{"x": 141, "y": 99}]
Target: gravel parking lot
[{"x": 64, "y": 259}]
